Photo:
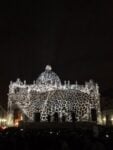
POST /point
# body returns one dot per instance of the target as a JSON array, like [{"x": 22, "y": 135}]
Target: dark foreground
[{"x": 61, "y": 137}]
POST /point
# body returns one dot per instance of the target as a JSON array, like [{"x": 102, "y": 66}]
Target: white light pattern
[{"x": 47, "y": 95}]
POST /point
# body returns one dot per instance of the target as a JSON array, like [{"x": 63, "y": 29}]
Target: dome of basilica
[{"x": 48, "y": 77}]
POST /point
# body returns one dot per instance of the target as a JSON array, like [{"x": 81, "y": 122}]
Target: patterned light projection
[{"x": 47, "y": 95}]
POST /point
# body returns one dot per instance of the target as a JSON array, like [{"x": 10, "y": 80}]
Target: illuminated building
[{"x": 47, "y": 96}]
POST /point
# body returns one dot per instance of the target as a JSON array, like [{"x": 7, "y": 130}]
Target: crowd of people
[{"x": 95, "y": 138}]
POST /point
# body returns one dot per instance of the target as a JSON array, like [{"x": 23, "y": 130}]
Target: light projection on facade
[{"x": 47, "y": 96}]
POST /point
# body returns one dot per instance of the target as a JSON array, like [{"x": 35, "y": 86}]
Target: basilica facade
[{"x": 48, "y": 96}]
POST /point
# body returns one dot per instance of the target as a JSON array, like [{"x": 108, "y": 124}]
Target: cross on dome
[
  {"x": 48, "y": 68},
  {"x": 48, "y": 77}
]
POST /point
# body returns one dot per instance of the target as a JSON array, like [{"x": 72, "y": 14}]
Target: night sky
[{"x": 74, "y": 37}]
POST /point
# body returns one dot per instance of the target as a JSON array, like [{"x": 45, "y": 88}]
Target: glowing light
[
  {"x": 104, "y": 119},
  {"x": 16, "y": 124},
  {"x": 2, "y": 120},
  {"x": 107, "y": 136},
  {"x": 21, "y": 129},
  {"x": 4, "y": 127},
  {"x": 3, "y": 123},
  {"x": 112, "y": 118},
  {"x": 21, "y": 118},
  {"x": 10, "y": 120}
]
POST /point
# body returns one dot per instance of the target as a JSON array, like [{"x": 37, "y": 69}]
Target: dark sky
[{"x": 74, "y": 37}]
